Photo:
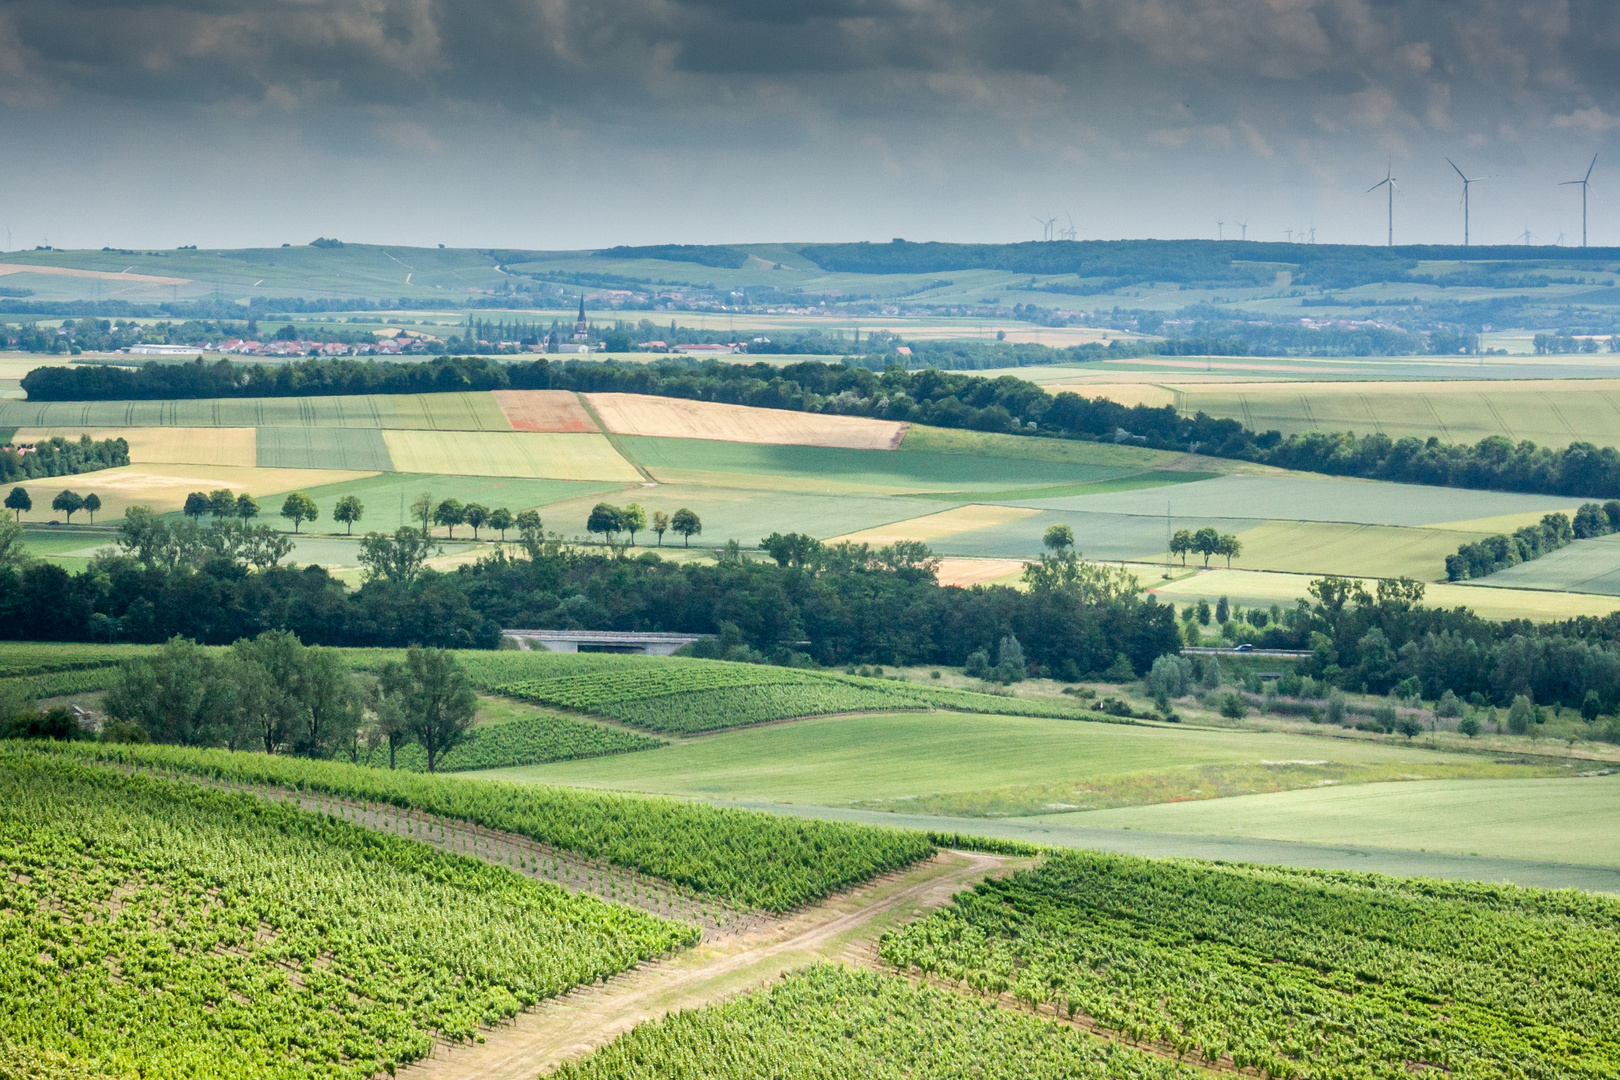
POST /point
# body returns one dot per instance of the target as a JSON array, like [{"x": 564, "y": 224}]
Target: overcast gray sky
[{"x": 561, "y": 123}]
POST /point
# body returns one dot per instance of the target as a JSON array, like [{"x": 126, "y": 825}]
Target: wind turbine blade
[
  {"x": 1458, "y": 171},
  {"x": 1589, "y": 169}
]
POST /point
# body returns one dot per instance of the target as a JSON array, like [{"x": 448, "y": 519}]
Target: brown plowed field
[
  {"x": 544, "y": 410},
  {"x": 677, "y": 418}
]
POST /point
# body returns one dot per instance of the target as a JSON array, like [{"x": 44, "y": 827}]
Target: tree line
[
  {"x": 274, "y": 694},
  {"x": 58, "y": 456},
  {"x": 838, "y": 604}
]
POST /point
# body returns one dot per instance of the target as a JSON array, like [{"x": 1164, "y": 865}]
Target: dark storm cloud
[{"x": 1280, "y": 66}]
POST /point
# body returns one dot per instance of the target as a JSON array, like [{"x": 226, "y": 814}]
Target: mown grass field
[
  {"x": 1557, "y": 820},
  {"x": 895, "y": 760}
]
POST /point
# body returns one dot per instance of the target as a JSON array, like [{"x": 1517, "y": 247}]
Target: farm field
[
  {"x": 938, "y": 526},
  {"x": 362, "y": 449},
  {"x": 466, "y": 411},
  {"x": 1548, "y": 412},
  {"x": 1260, "y": 588},
  {"x": 544, "y": 410},
  {"x": 1292, "y": 973},
  {"x": 510, "y": 453},
  {"x": 1547, "y": 819},
  {"x": 900, "y": 759},
  {"x": 1352, "y": 550},
  {"x": 164, "y": 487},
  {"x": 387, "y": 497},
  {"x": 1586, "y": 566},
  {"x": 339, "y": 950},
  {"x": 678, "y": 418},
  {"x": 173, "y": 445}
]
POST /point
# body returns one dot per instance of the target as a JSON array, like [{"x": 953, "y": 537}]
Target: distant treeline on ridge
[{"x": 943, "y": 399}]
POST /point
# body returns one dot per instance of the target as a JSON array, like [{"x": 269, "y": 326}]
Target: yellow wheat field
[
  {"x": 168, "y": 446},
  {"x": 535, "y": 455},
  {"x": 959, "y": 519},
  {"x": 676, "y": 418},
  {"x": 968, "y": 572},
  {"x": 165, "y": 487}
]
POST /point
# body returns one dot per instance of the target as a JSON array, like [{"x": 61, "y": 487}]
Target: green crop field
[
  {"x": 1586, "y": 566},
  {"x": 359, "y": 449},
  {"x": 920, "y": 438},
  {"x": 972, "y": 763},
  {"x": 750, "y": 859},
  {"x": 1301, "y": 497},
  {"x": 540, "y": 455},
  {"x": 467, "y": 411},
  {"x": 161, "y": 929},
  {"x": 1555, "y": 820},
  {"x": 1301, "y": 974},
  {"x": 1548, "y": 412},
  {"x": 833, "y": 1023},
  {"x": 915, "y": 471}
]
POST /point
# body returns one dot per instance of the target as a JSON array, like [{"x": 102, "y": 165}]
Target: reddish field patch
[{"x": 544, "y": 410}]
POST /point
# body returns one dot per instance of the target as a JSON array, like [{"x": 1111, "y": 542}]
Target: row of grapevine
[
  {"x": 750, "y": 859},
  {"x": 154, "y": 929},
  {"x": 59, "y": 683},
  {"x": 1307, "y": 974},
  {"x": 533, "y": 740},
  {"x": 833, "y": 1023}
]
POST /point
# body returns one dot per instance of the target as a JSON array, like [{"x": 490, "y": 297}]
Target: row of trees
[
  {"x": 610, "y": 520},
  {"x": 274, "y": 694},
  {"x": 20, "y": 502},
  {"x": 1482, "y": 557},
  {"x": 1206, "y": 542}
]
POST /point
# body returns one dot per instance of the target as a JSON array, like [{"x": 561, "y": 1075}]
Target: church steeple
[{"x": 582, "y": 329}]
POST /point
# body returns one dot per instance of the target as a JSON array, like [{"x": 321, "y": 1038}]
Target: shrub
[
  {"x": 1469, "y": 726},
  {"x": 1234, "y": 706},
  {"x": 1521, "y": 714}
]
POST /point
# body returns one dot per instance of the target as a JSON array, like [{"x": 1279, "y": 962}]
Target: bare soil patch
[
  {"x": 544, "y": 410},
  {"x": 677, "y": 418}
]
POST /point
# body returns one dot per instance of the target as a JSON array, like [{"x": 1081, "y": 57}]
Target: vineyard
[
  {"x": 532, "y": 741},
  {"x": 162, "y": 929},
  {"x": 832, "y": 1023},
  {"x": 1301, "y": 974},
  {"x": 688, "y": 696},
  {"x": 30, "y": 671},
  {"x": 749, "y": 859}
]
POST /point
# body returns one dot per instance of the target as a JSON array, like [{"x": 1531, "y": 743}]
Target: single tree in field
[
  {"x": 299, "y": 508},
  {"x": 687, "y": 524},
  {"x": 660, "y": 525},
  {"x": 247, "y": 507},
  {"x": 475, "y": 515},
  {"x": 632, "y": 519},
  {"x": 69, "y": 503},
  {"x": 397, "y": 558},
  {"x": 221, "y": 504},
  {"x": 1207, "y": 542},
  {"x": 92, "y": 503},
  {"x": 1230, "y": 546},
  {"x": 1223, "y": 611},
  {"x": 349, "y": 510},
  {"x": 528, "y": 520},
  {"x": 1181, "y": 543},
  {"x": 449, "y": 513},
  {"x": 422, "y": 510},
  {"x": 436, "y": 699},
  {"x": 1058, "y": 538},
  {"x": 500, "y": 519},
  {"x": 196, "y": 505},
  {"x": 19, "y": 502},
  {"x": 605, "y": 519}
]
